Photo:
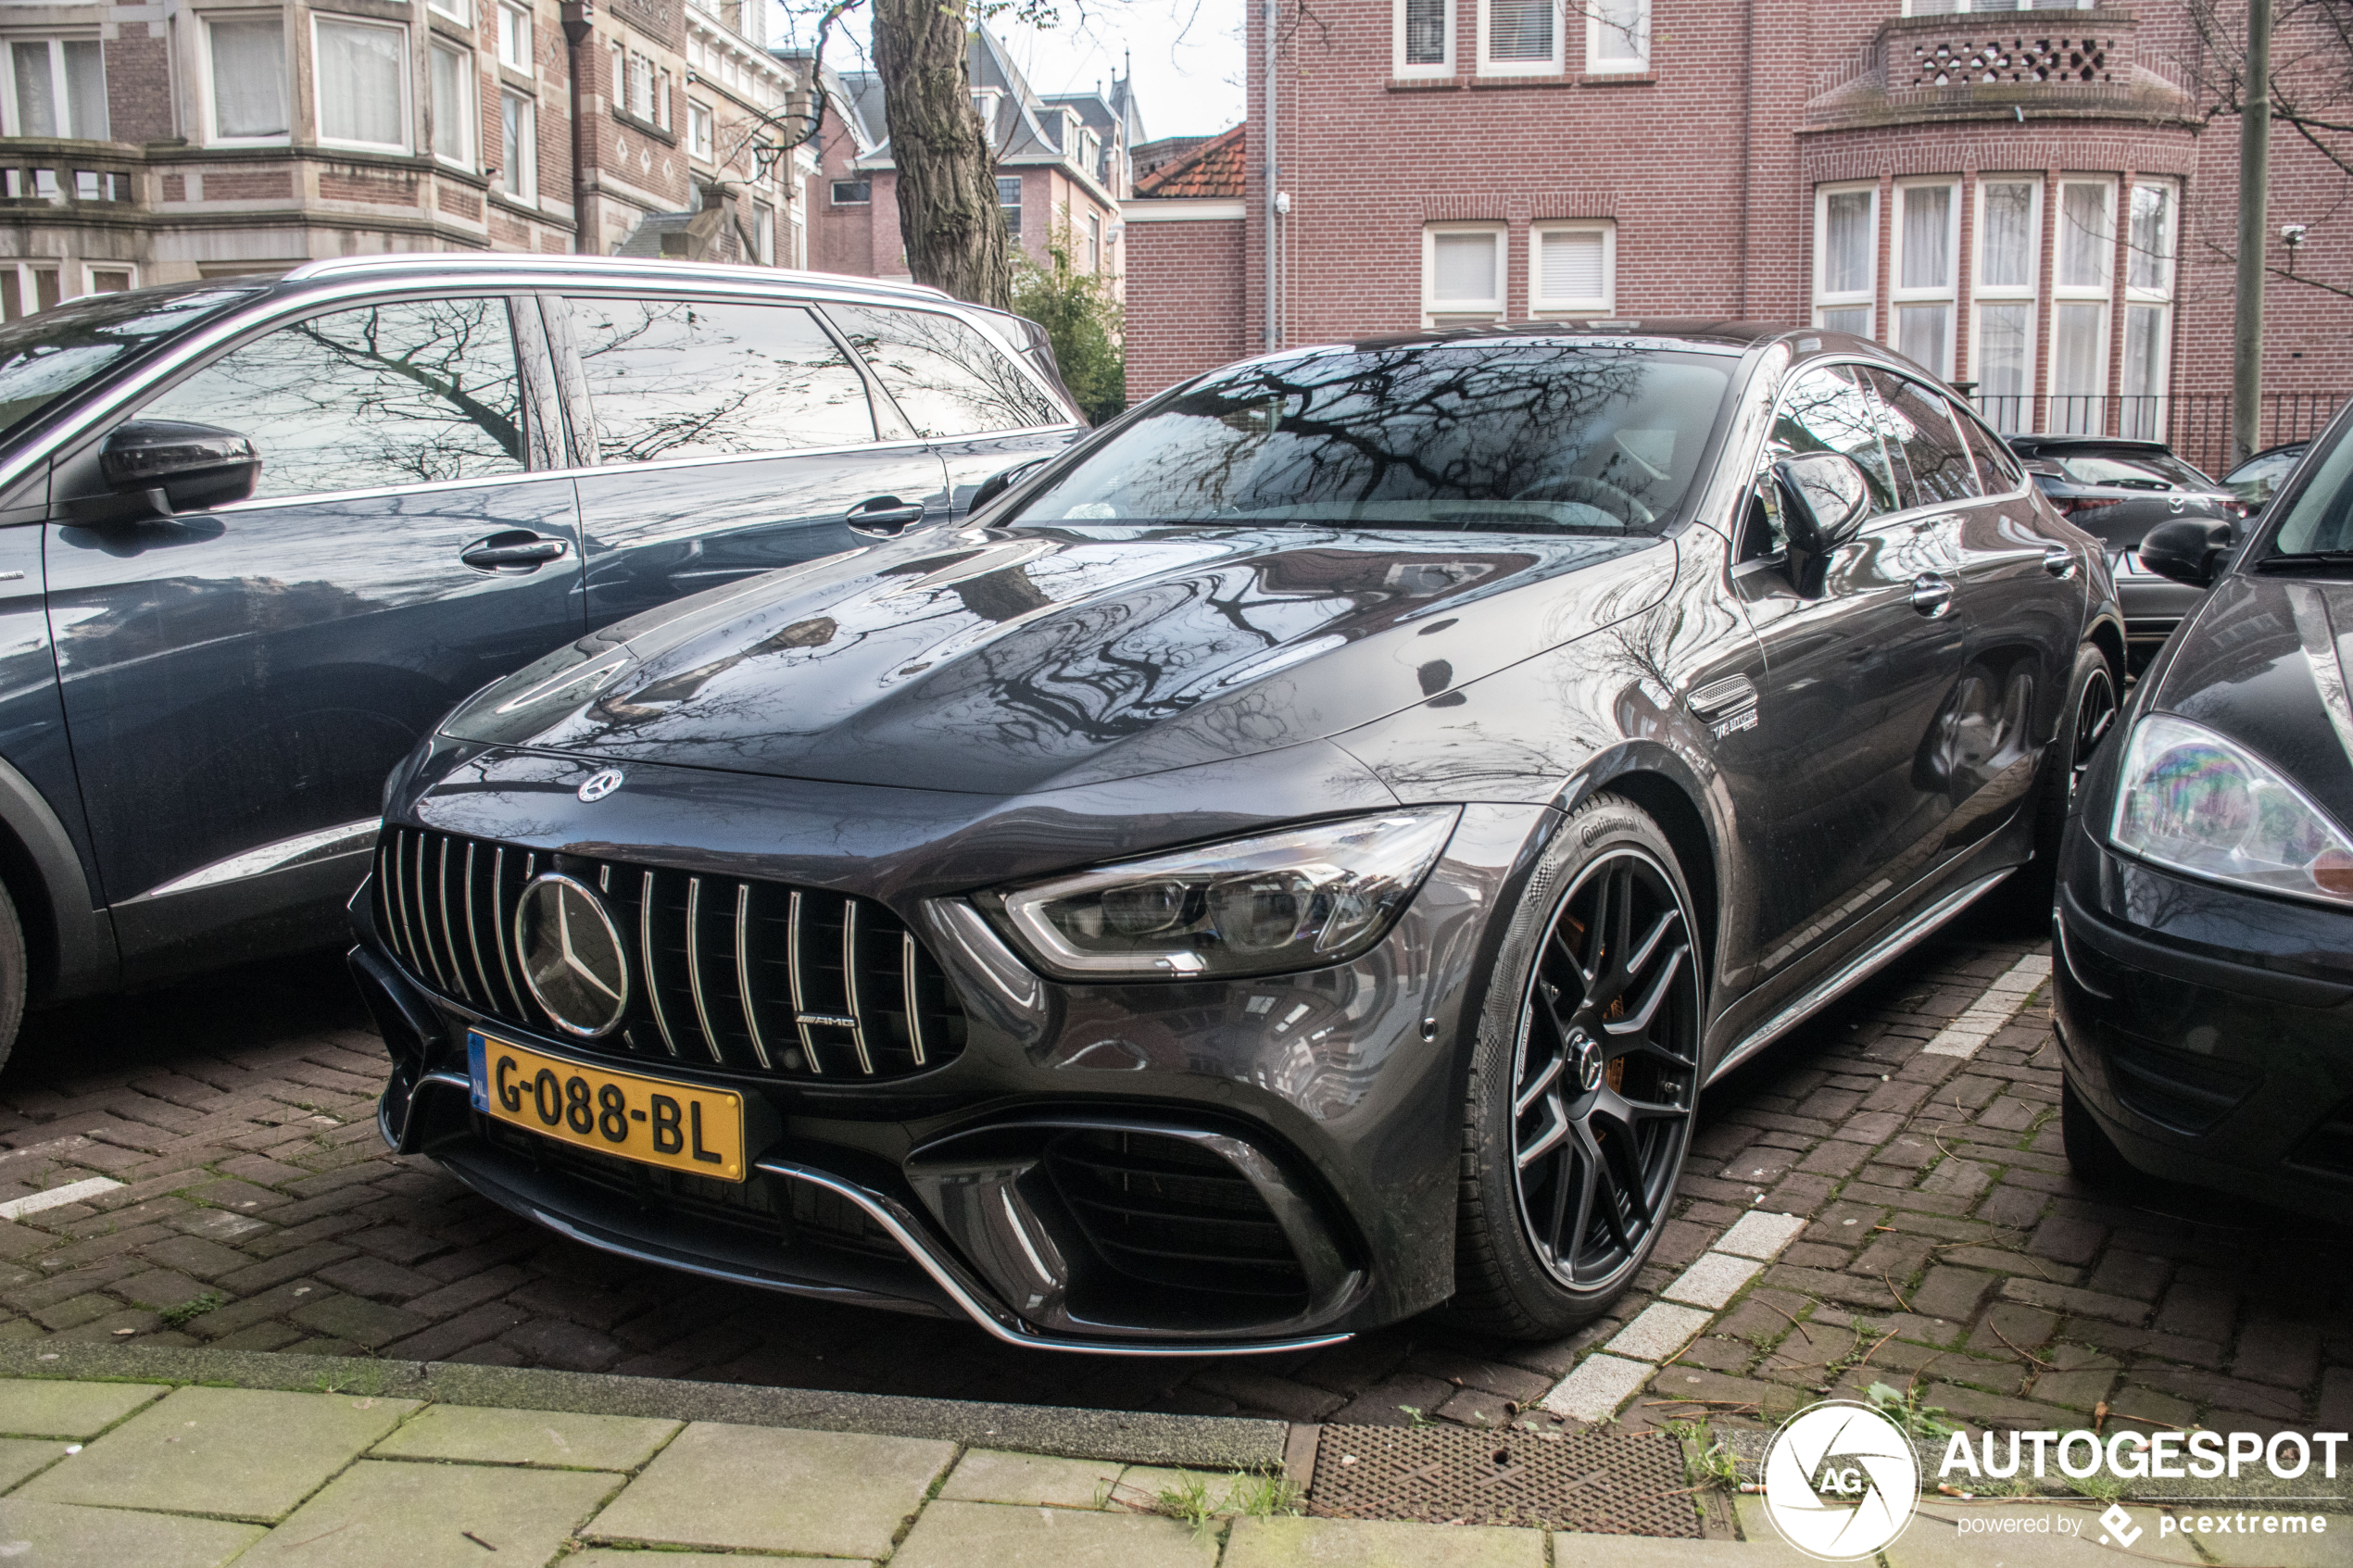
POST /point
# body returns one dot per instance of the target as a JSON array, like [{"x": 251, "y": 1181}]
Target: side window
[
  {"x": 945, "y": 377},
  {"x": 1825, "y": 410},
  {"x": 1922, "y": 424},
  {"x": 694, "y": 378},
  {"x": 1998, "y": 467},
  {"x": 413, "y": 393}
]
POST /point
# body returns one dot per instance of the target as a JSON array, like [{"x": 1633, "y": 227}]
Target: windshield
[
  {"x": 46, "y": 356},
  {"x": 2321, "y": 518},
  {"x": 1515, "y": 437},
  {"x": 2131, "y": 470}
]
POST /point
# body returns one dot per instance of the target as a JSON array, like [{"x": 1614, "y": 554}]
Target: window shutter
[
  {"x": 1571, "y": 268},
  {"x": 1520, "y": 30}
]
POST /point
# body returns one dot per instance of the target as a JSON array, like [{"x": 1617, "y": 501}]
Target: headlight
[
  {"x": 1302, "y": 896},
  {"x": 2190, "y": 799}
]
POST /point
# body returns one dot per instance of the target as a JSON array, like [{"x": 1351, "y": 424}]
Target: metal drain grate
[{"x": 1604, "y": 1484}]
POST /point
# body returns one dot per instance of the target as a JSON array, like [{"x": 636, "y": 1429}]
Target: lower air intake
[{"x": 1167, "y": 1212}]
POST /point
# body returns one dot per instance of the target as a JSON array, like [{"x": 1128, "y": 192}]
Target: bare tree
[{"x": 2311, "y": 80}]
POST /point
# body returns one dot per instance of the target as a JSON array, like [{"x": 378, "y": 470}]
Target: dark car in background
[
  {"x": 2256, "y": 480},
  {"x": 258, "y": 535},
  {"x": 1291, "y": 861},
  {"x": 2204, "y": 919},
  {"x": 2117, "y": 489}
]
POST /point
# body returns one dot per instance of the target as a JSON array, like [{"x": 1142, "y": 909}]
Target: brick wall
[
  {"x": 138, "y": 67},
  {"x": 1195, "y": 316}
]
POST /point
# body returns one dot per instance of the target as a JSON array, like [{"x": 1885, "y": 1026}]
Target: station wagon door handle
[
  {"x": 884, "y": 516},
  {"x": 514, "y": 553},
  {"x": 1931, "y": 594}
]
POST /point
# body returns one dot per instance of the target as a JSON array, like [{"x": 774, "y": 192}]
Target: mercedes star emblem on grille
[
  {"x": 572, "y": 957},
  {"x": 599, "y": 784}
]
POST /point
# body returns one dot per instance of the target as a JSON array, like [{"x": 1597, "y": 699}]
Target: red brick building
[{"x": 2021, "y": 198}]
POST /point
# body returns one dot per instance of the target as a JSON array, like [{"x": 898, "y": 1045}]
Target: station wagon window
[
  {"x": 693, "y": 378},
  {"x": 943, "y": 374},
  {"x": 416, "y": 392}
]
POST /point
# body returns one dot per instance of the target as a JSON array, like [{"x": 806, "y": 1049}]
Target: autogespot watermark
[{"x": 1840, "y": 1479}]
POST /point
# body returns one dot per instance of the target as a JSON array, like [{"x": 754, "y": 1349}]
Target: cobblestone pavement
[{"x": 1913, "y": 1129}]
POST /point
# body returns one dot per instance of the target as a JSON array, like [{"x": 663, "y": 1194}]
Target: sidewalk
[{"x": 172, "y": 1474}]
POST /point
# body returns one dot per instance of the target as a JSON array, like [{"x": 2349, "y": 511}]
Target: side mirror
[
  {"x": 2187, "y": 550},
  {"x": 1824, "y": 498},
  {"x": 180, "y": 467},
  {"x": 996, "y": 484}
]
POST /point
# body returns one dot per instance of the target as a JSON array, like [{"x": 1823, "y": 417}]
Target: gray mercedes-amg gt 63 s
[{"x": 1287, "y": 861}]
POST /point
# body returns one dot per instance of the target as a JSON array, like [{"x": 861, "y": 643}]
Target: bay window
[
  {"x": 519, "y": 148},
  {"x": 1845, "y": 257},
  {"x": 1928, "y": 231},
  {"x": 55, "y": 87},
  {"x": 247, "y": 58},
  {"x": 2148, "y": 307},
  {"x": 454, "y": 104},
  {"x": 362, "y": 73},
  {"x": 2083, "y": 252},
  {"x": 2009, "y": 227},
  {"x": 1520, "y": 37},
  {"x": 1423, "y": 31},
  {"x": 1617, "y": 35},
  {"x": 1573, "y": 269},
  {"x": 1462, "y": 273}
]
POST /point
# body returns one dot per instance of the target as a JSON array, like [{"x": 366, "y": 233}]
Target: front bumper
[
  {"x": 1323, "y": 1107},
  {"x": 2208, "y": 1030}
]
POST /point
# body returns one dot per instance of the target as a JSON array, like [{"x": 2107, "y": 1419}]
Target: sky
[{"x": 1187, "y": 56}]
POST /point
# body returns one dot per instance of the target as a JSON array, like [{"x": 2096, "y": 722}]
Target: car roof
[
  {"x": 418, "y": 265},
  {"x": 1700, "y": 333}
]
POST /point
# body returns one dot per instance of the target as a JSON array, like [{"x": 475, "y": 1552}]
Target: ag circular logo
[
  {"x": 598, "y": 785},
  {"x": 1841, "y": 1481},
  {"x": 572, "y": 957}
]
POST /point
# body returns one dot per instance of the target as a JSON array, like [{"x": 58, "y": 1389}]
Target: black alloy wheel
[
  {"x": 2095, "y": 712},
  {"x": 2091, "y": 711},
  {"x": 1605, "y": 1073}
]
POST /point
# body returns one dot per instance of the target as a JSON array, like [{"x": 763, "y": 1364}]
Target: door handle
[
  {"x": 883, "y": 516},
  {"x": 2059, "y": 561},
  {"x": 1931, "y": 594},
  {"x": 517, "y": 552}
]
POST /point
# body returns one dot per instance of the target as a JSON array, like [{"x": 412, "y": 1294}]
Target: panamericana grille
[
  {"x": 1167, "y": 1212},
  {"x": 752, "y": 976}
]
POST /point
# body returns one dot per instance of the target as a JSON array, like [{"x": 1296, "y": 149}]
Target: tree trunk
[{"x": 947, "y": 178}]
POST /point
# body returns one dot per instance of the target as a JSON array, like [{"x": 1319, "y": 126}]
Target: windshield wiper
[{"x": 2306, "y": 561}]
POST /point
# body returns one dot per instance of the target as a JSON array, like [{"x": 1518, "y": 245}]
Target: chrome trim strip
[
  {"x": 849, "y": 983},
  {"x": 424, "y": 917},
  {"x": 448, "y": 928},
  {"x": 342, "y": 839},
  {"x": 907, "y": 978},
  {"x": 1889, "y": 947},
  {"x": 743, "y": 973},
  {"x": 694, "y": 966},
  {"x": 498, "y": 929},
  {"x": 646, "y": 952},
  {"x": 792, "y": 977},
  {"x": 474, "y": 936}
]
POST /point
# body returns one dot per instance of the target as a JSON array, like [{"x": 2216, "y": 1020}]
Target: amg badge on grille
[
  {"x": 572, "y": 957},
  {"x": 599, "y": 784}
]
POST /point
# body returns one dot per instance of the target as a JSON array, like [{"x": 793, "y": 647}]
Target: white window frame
[
  {"x": 1445, "y": 66},
  {"x": 1946, "y": 293},
  {"x": 702, "y": 133},
  {"x": 763, "y": 233},
  {"x": 14, "y": 117},
  {"x": 208, "y": 115},
  {"x": 469, "y": 112},
  {"x": 17, "y": 277},
  {"x": 90, "y": 270},
  {"x": 1596, "y": 30},
  {"x": 2010, "y": 422},
  {"x": 2148, "y": 420},
  {"x": 408, "y": 94},
  {"x": 1868, "y": 297},
  {"x": 1539, "y": 302},
  {"x": 1491, "y": 310},
  {"x": 530, "y": 39},
  {"x": 458, "y": 11},
  {"x": 2064, "y": 293},
  {"x": 1554, "y": 65},
  {"x": 526, "y": 190}
]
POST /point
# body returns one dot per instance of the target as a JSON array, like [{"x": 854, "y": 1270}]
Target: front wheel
[{"x": 1583, "y": 1080}]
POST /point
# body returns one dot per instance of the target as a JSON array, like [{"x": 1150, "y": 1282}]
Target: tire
[
  {"x": 12, "y": 974},
  {"x": 2091, "y": 1154},
  {"x": 2092, "y": 706},
  {"x": 1582, "y": 1081}
]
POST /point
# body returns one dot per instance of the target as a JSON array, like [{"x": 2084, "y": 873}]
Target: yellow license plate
[{"x": 654, "y": 1120}]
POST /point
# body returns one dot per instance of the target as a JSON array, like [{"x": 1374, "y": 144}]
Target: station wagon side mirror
[
  {"x": 180, "y": 467},
  {"x": 2187, "y": 550},
  {"x": 996, "y": 484},
  {"x": 1824, "y": 499}
]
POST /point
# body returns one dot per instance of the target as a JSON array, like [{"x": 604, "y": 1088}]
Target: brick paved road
[{"x": 1947, "y": 1249}]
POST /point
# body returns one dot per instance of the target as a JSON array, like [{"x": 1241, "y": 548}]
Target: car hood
[
  {"x": 1007, "y": 660},
  {"x": 2268, "y": 661}
]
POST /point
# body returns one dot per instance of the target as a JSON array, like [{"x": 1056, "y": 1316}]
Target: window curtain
[
  {"x": 36, "y": 93},
  {"x": 2149, "y": 257},
  {"x": 86, "y": 90},
  {"x": 1928, "y": 238},
  {"x": 1618, "y": 30},
  {"x": 2084, "y": 236},
  {"x": 359, "y": 83},
  {"x": 1463, "y": 270},
  {"x": 1847, "y": 243},
  {"x": 2007, "y": 261},
  {"x": 249, "y": 78},
  {"x": 450, "y": 100}
]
